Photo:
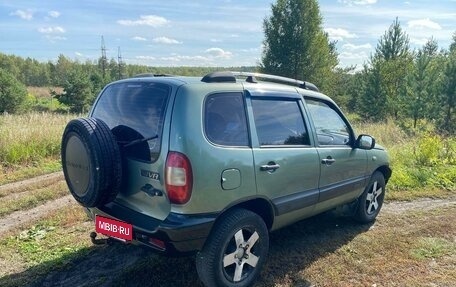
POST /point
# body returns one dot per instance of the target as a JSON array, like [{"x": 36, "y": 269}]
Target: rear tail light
[{"x": 179, "y": 178}]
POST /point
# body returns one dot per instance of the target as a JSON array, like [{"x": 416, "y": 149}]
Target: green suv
[{"x": 209, "y": 166}]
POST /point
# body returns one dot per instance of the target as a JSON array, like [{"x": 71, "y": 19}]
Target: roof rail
[
  {"x": 230, "y": 77},
  {"x": 251, "y": 78},
  {"x": 145, "y": 75}
]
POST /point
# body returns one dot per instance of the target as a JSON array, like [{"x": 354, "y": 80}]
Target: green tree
[
  {"x": 453, "y": 44},
  {"x": 12, "y": 93},
  {"x": 422, "y": 91},
  {"x": 295, "y": 44},
  {"x": 372, "y": 103},
  {"x": 77, "y": 92},
  {"x": 390, "y": 66},
  {"x": 394, "y": 43},
  {"x": 447, "y": 121}
]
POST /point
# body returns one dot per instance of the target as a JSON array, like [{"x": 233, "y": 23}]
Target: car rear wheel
[
  {"x": 91, "y": 161},
  {"x": 371, "y": 201},
  {"x": 236, "y": 250}
]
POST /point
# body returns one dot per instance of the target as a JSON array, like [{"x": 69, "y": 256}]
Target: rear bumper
[{"x": 178, "y": 234}]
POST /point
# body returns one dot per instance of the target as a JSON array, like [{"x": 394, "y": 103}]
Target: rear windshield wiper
[{"x": 134, "y": 142}]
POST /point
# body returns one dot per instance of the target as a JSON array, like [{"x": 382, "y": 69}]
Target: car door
[
  {"x": 286, "y": 162},
  {"x": 342, "y": 167}
]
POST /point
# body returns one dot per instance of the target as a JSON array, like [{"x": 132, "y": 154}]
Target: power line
[
  {"x": 104, "y": 59},
  {"x": 119, "y": 63}
]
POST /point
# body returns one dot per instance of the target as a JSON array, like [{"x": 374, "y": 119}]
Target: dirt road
[{"x": 101, "y": 264}]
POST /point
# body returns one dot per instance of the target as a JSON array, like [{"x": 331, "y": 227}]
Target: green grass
[
  {"x": 423, "y": 163},
  {"x": 45, "y": 245},
  {"x": 29, "y": 138},
  {"x": 32, "y": 198},
  {"x": 17, "y": 172},
  {"x": 433, "y": 248},
  {"x": 411, "y": 248},
  {"x": 30, "y": 144}
]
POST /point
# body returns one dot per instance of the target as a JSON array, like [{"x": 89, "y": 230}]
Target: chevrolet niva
[{"x": 209, "y": 166}]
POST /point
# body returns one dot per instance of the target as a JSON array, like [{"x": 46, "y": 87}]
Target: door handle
[
  {"x": 271, "y": 166},
  {"x": 328, "y": 161}
]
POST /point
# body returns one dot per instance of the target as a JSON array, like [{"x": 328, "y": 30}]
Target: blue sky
[{"x": 203, "y": 33}]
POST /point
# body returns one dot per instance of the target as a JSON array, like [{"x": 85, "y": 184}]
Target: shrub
[
  {"x": 12, "y": 93},
  {"x": 428, "y": 151}
]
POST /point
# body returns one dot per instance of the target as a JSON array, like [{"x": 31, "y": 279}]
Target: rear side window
[
  {"x": 279, "y": 122},
  {"x": 135, "y": 111},
  {"x": 225, "y": 122}
]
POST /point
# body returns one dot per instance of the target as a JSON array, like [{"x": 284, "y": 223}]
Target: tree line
[
  {"x": 396, "y": 82},
  {"x": 408, "y": 86}
]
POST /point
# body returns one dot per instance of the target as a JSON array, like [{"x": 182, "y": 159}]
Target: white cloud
[
  {"x": 53, "y": 38},
  {"x": 216, "y": 40},
  {"x": 51, "y": 30},
  {"x": 138, "y": 38},
  {"x": 147, "y": 58},
  {"x": 218, "y": 53},
  {"x": 54, "y": 14},
  {"x": 252, "y": 50},
  {"x": 166, "y": 40},
  {"x": 145, "y": 20},
  {"x": 353, "y": 55},
  {"x": 339, "y": 34},
  {"x": 78, "y": 54},
  {"x": 23, "y": 14},
  {"x": 418, "y": 41},
  {"x": 357, "y": 2},
  {"x": 178, "y": 58},
  {"x": 424, "y": 23},
  {"x": 352, "y": 47}
]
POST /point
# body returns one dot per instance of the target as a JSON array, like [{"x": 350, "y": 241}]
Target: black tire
[
  {"x": 91, "y": 161},
  {"x": 371, "y": 201},
  {"x": 221, "y": 245}
]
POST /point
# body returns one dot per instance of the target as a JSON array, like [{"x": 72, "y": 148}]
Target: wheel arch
[
  {"x": 386, "y": 171},
  {"x": 261, "y": 206}
]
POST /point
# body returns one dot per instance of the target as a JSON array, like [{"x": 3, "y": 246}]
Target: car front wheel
[
  {"x": 235, "y": 251},
  {"x": 371, "y": 201}
]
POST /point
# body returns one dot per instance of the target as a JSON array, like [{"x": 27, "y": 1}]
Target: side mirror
[{"x": 365, "y": 142}]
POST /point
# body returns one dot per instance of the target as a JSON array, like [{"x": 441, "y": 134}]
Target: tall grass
[
  {"x": 28, "y": 138},
  {"x": 423, "y": 163}
]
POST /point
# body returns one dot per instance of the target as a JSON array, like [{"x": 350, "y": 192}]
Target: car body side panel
[{"x": 209, "y": 161}]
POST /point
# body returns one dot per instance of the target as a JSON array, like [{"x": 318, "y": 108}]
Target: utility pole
[
  {"x": 103, "y": 57},
  {"x": 119, "y": 63}
]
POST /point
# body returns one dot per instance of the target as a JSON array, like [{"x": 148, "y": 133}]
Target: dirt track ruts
[{"x": 21, "y": 217}]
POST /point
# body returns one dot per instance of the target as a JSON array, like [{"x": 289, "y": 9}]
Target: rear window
[{"x": 135, "y": 112}]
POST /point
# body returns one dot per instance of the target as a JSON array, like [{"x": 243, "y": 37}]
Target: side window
[
  {"x": 225, "y": 122},
  {"x": 330, "y": 127},
  {"x": 279, "y": 122}
]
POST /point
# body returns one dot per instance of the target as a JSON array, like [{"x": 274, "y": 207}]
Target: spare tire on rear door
[{"x": 91, "y": 161}]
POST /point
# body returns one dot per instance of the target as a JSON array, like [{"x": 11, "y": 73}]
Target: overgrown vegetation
[
  {"x": 423, "y": 163},
  {"x": 30, "y": 140}
]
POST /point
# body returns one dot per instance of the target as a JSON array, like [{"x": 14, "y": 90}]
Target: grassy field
[
  {"x": 30, "y": 144},
  {"x": 423, "y": 163},
  {"x": 415, "y": 247}
]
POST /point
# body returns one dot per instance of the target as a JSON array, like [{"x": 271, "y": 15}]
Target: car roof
[{"x": 248, "y": 85}]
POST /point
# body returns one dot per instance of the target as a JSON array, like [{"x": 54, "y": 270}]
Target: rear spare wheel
[{"x": 91, "y": 161}]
